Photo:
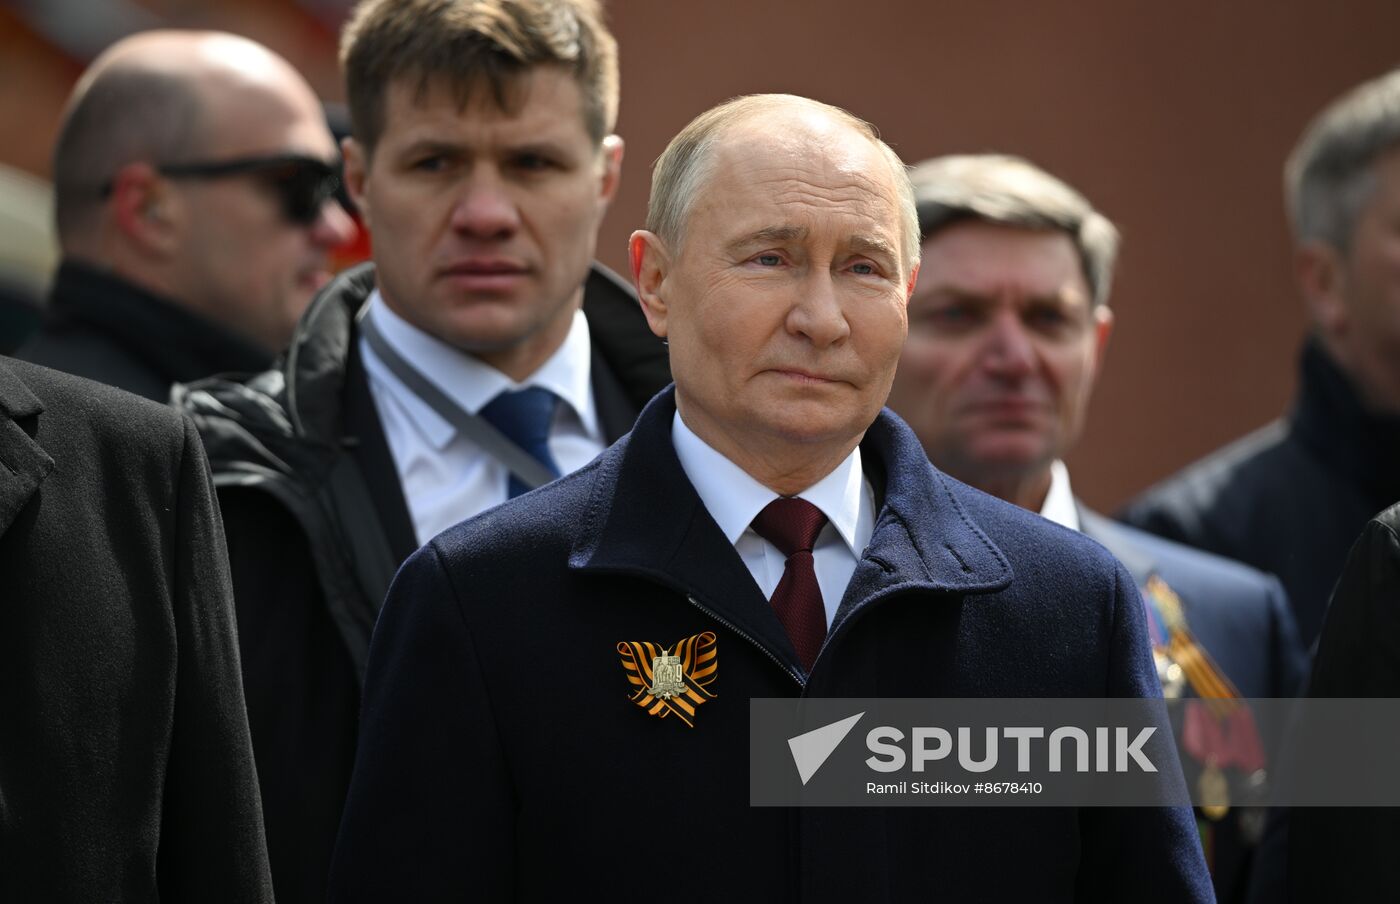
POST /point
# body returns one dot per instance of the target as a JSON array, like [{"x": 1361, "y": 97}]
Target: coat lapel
[
  {"x": 647, "y": 520},
  {"x": 620, "y": 335},
  {"x": 371, "y": 450},
  {"x": 616, "y": 414},
  {"x": 23, "y": 462},
  {"x": 376, "y": 463},
  {"x": 924, "y": 540}
]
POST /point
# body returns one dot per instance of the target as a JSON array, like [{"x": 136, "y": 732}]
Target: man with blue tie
[
  {"x": 1007, "y": 334},
  {"x": 480, "y": 355},
  {"x": 557, "y": 700}
]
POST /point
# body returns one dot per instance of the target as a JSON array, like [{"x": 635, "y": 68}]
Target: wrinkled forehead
[{"x": 826, "y": 179}]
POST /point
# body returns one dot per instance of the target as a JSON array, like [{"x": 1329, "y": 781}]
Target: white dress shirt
[
  {"x": 734, "y": 499},
  {"x": 1059, "y": 505},
  {"x": 446, "y": 477}
]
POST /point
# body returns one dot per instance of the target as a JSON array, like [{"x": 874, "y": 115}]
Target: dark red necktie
[{"x": 792, "y": 525}]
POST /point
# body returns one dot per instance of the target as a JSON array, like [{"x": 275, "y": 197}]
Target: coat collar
[
  {"x": 616, "y": 413},
  {"x": 23, "y": 462},
  {"x": 315, "y": 366},
  {"x": 645, "y": 519},
  {"x": 328, "y": 394},
  {"x": 1330, "y": 419},
  {"x": 372, "y": 456},
  {"x": 171, "y": 339}
]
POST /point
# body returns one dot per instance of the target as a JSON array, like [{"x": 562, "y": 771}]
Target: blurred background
[{"x": 1174, "y": 119}]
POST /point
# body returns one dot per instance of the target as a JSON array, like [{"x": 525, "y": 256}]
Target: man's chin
[
  {"x": 1003, "y": 453},
  {"x": 814, "y": 429},
  {"x": 482, "y": 324}
]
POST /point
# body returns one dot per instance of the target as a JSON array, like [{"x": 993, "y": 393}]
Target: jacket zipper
[
  {"x": 766, "y": 652},
  {"x": 844, "y": 627}
]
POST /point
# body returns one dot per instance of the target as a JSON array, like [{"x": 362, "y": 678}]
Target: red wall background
[{"x": 1173, "y": 118}]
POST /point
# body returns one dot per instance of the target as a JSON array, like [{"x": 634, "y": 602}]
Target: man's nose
[
  {"x": 1010, "y": 350},
  {"x": 334, "y": 227},
  {"x": 485, "y": 209},
  {"x": 817, "y": 313}
]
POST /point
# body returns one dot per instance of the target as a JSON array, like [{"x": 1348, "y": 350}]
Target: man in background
[
  {"x": 1290, "y": 498},
  {"x": 193, "y": 177},
  {"x": 1348, "y": 853},
  {"x": 1007, "y": 332},
  {"x": 480, "y": 354}
]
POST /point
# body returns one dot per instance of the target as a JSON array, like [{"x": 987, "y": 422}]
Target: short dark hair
[
  {"x": 127, "y": 113},
  {"x": 474, "y": 42},
  {"x": 998, "y": 188}
]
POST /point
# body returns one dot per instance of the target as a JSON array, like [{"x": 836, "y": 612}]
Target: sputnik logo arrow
[{"x": 811, "y": 749}]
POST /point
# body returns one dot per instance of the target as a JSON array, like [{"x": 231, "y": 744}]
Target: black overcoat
[{"x": 126, "y": 771}]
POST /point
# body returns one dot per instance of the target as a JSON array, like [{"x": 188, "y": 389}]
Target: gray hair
[
  {"x": 998, "y": 188},
  {"x": 124, "y": 114},
  {"x": 1329, "y": 179},
  {"x": 688, "y": 162}
]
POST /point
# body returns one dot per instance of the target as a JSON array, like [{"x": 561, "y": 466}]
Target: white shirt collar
[
  {"x": 734, "y": 498},
  {"x": 1059, "y": 505},
  {"x": 472, "y": 383}
]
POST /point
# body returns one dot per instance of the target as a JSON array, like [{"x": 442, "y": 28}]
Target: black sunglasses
[{"x": 303, "y": 184}]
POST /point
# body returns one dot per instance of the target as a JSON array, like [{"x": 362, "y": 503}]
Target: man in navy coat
[
  {"x": 1007, "y": 333},
  {"x": 767, "y": 524}
]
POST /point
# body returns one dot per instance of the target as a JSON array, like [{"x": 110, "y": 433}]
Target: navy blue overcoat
[{"x": 500, "y": 757}]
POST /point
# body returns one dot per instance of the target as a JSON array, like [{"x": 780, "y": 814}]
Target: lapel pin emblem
[
  {"x": 671, "y": 681},
  {"x": 667, "y": 678}
]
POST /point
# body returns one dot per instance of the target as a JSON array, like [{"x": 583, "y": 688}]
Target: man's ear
[
  {"x": 145, "y": 210},
  {"x": 1321, "y": 275},
  {"x": 913, "y": 283},
  {"x": 612, "y": 167},
  {"x": 650, "y": 261},
  {"x": 356, "y": 164},
  {"x": 1103, "y": 329}
]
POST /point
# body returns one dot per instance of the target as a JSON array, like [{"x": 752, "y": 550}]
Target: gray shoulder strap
[{"x": 496, "y": 444}]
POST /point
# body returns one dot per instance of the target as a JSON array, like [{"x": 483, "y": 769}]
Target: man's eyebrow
[
  {"x": 873, "y": 245},
  {"x": 546, "y": 147},
  {"x": 768, "y": 234},
  {"x": 430, "y": 145},
  {"x": 961, "y": 294},
  {"x": 953, "y": 292}
]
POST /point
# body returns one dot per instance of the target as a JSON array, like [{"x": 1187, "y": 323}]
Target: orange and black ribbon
[
  {"x": 1202, "y": 674},
  {"x": 699, "y": 662},
  {"x": 1231, "y": 737}
]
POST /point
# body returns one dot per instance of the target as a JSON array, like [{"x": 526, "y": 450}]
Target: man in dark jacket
[
  {"x": 506, "y": 754},
  {"x": 192, "y": 183},
  {"x": 1009, "y": 326},
  {"x": 479, "y": 355},
  {"x": 1290, "y": 498},
  {"x": 126, "y": 772},
  {"x": 1348, "y": 854}
]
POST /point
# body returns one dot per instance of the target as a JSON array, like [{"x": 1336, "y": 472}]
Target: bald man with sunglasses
[{"x": 194, "y": 178}]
